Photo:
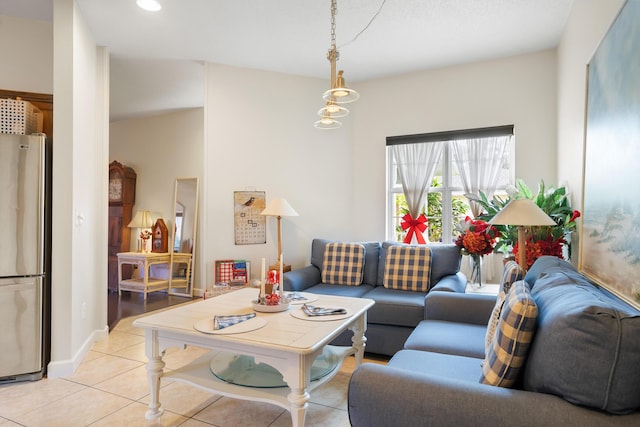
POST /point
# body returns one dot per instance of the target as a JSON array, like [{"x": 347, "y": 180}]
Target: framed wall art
[
  {"x": 249, "y": 226},
  {"x": 610, "y": 238}
]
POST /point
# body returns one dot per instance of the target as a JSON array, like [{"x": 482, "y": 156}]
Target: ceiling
[{"x": 157, "y": 57}]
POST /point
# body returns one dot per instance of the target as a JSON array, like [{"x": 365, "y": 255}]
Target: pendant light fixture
[{"x": 338, "y": 92}]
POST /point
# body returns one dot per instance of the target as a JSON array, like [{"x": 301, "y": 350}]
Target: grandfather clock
[{"x": 122, "y": 196}]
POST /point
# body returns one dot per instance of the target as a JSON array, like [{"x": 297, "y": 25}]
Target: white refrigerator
[{"x": 22, "y": 257}]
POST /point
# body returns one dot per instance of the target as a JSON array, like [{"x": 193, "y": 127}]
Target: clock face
[{"x": 115, "y": 189}]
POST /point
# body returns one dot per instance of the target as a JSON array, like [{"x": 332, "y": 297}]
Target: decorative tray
[{"x": 283, "y": 306}]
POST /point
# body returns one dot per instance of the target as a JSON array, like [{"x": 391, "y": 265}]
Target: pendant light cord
[{"x": 361, "y": 31}]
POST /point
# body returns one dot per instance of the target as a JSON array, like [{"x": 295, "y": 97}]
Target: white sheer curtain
[
  {"x": 416, "y": 167},
  {"x": 479, "y": 162}
]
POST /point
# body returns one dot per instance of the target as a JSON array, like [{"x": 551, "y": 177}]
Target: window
[{"x": 467, "y": 151}]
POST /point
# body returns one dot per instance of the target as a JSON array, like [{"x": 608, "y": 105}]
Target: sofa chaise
[{"x": 570, "y": 357}]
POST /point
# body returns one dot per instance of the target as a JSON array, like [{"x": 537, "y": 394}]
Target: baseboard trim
[{"x": 66, "y": 368}]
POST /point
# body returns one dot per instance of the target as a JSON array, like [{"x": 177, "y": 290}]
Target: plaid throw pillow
[
  {"x": 343, "y": 264},
  {"x": 493, "y": 321},
  {"x": 510, "y": 345},
  {"x": 512, "y": 273},
  {"x": 407, "y": 268}
]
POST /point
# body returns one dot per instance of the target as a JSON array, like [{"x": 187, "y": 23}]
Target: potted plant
[{"x": 541, "y": 240}]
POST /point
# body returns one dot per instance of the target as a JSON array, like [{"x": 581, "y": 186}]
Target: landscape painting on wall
[{"x": 610, "y": 239}]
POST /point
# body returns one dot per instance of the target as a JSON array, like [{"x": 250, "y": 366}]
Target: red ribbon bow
[{"x": 415, "y": 226}]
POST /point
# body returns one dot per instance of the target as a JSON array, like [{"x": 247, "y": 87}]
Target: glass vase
[{"x": 475, "y": 278}]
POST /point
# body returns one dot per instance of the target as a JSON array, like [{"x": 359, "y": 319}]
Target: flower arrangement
[
  {"x": 145, "y": 235},
  {"x": 543, "y": 240},
  {"x": 477, "y": 237}
]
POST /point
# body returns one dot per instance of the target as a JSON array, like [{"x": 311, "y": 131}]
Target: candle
[
  {"x": 262, "y": 290},
  {"x": 262, "y": 272},
  {"x": 281, "y": 276}
]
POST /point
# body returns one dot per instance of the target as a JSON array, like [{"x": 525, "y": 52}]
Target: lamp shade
[
  {"x": 142, "y": 219},
  {"x": 521, "y": 212},
  {"x": 279, "y": 207}
]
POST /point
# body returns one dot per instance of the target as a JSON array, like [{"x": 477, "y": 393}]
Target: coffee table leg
[
  {"x": 359, "y": 340},
  {"x": 298, "y": 398},
  {"x": 154, "y": 367}
]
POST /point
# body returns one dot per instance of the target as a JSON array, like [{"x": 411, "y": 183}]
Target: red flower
[
  {"x": 545, "y": 246},
  {"x": 574, "y": 216},
  {"x": 476, "y": 237}
]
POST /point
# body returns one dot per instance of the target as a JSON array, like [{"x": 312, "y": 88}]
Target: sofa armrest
[
  {"x": 451, "y": 283},
  {"x": 459, "y": 307},
  {"x": 302, "y": 278},
  {"x": 383, "y": 396}
]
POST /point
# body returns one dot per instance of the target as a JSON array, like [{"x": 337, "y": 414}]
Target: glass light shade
[
  {"x": 327, "y": 122},
  {"x": 279, "y": 207},
  {"x": 340, "y": 94},
  {"x": 332, "y": 110}
]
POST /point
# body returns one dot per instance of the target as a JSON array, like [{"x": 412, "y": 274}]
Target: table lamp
[
  {"x": 141, "y": 220},
  {"x": 522, "y": 213},
  {"x": 279, "y": 208}
]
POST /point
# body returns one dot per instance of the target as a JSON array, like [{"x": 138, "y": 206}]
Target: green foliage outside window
[{"x": 433, "y": 213}]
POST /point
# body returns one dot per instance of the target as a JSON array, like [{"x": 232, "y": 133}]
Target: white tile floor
[{"x": 110, "y": 388}]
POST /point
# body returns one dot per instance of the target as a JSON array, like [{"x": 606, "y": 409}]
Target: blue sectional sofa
[
  {"x": 578, "y": 366},
  {"x": 396, "y": 311}
]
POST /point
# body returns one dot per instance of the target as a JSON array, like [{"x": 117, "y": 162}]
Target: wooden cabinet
[{"x": 122, "y": 196}]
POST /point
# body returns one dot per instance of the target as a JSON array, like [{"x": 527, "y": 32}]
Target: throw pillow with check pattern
[
  {"x": 343, "y": 264},
  {"x": 407, "y": 268},
  {"x": 510, "y": 346}
]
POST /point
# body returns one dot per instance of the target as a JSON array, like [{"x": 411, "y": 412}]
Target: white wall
[
  {"x": 79, "y": 192},
  {"x": 160, "y": 149},
  {"x": 519, "y": 90},
  {"x": 27, "y": 55},
  {"x": 260, "y": 136},
  {"x": 587, "y": 25}
]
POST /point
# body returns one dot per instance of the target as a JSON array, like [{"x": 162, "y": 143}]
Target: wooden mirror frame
[{"x": 185, "y": 195}]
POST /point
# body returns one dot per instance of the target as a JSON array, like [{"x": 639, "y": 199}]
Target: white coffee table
[{"x": 287, "y": 343}]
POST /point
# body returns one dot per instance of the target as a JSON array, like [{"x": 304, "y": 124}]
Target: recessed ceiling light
[{"x": 150, "y": 5}]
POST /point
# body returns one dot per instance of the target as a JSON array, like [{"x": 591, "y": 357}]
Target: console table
[{"x": 144, "y": 260}]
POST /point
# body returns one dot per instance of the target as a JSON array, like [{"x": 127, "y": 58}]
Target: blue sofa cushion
[
  {"x": 396, "y": 307},
  {"x": 371, "y": 255},
  {"x": 437, "y": 364},
  {"x": 341, "y": 291},
  {"x": 343, "y": 264},
  {"x": 578, "y": 318},
  {"x": 510, "y": 346},
  {"x": 436, "y": 336},
  {"x": 546, "y": 265},
  {"x": 407, "y": 268},
  {"x": 445, "y": 260}
]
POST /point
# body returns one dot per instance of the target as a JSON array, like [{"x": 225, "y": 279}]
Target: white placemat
[
  {"x": 206, "y": 326},
  {"x": 308, "y": 297},
  {"x": 299, "y": 314}
]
